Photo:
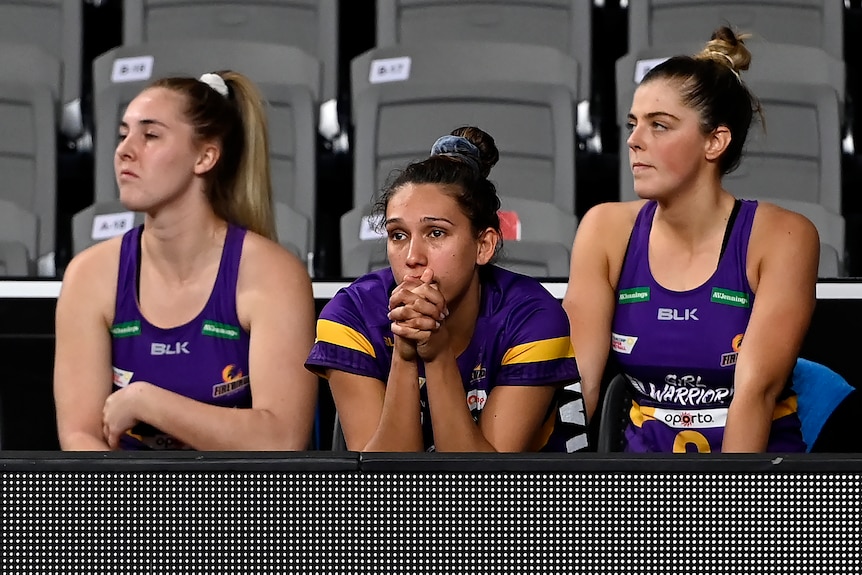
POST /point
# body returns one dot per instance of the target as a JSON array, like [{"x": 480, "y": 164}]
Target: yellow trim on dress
[
  {"x": 541, "y": 350},
  {"x": 339, "y": 334}
]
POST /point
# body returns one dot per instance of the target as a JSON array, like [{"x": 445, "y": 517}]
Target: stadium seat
[
  {"x": 29, "y": 99},
  {"x": 406, "y": 96},
  {"x": 311, "y": 25},
  {"x": 288, "y": 78},
  {"x": 614, "y": 417},
  {"x": 812, "y": 23},
  {"x": 56, "y": 26},
  {"x": 562, "y": 24}
]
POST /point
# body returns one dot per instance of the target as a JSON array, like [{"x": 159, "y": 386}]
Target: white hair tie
[
  {"x": 215, "y": 82},
  {"x": 729, "y": 59}
]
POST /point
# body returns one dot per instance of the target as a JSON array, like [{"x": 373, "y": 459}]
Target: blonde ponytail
[{"x": 249, "y": 204}]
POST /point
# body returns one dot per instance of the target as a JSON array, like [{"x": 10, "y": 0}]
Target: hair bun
[
  {"x": 727, "y": 48},
  {"x": 488, "y": 155},
  {"x": 458, "y": 147}
]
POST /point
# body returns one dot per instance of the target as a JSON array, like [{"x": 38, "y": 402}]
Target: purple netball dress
[
  {"x": 205, "y": 359},
  {"x": 521, "y": 338},
  {"x": 679, "y": 349}
]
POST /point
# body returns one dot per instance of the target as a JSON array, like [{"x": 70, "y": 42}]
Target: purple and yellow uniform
[
  {"x": 521, "y": 338},
  {"x": 205, "y": 359},
  {"x": 679, "y": 349}
]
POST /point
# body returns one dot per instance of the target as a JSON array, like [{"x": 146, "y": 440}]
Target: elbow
[
  {"x": 763, "y": 398},
  {"x": 81, "y": 441}
]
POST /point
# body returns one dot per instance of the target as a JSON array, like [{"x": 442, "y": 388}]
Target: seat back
[
  {"x": 28, "y": 163},
  {"x": 813, "y": 23},
  {"x": 310, "y": 25},
  {"x": 100, "y": 221},
  {"x": 565, "y": 25},
  {"x": 55, "y": 26},
  {"x": 524, "y": 96},
  {"x": 289, "y": 80},
  {"x": 18, "y": 240},
  {"x": 616, "y": 405}
]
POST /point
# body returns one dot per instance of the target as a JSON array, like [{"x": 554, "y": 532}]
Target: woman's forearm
[
  {"x": 82, "y": 441},
  {"x": 454, "y": 428},
  {"x": 400, "y": 427},
  {"x": 215, "y": 428}
]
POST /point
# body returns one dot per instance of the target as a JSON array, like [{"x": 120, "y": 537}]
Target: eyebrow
[
  {"x": 426, "y": 219},
  {"x": 652, "y": 115},
  {"x": 144, "y": 122}
]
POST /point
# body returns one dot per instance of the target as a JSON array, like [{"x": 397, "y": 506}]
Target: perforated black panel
[{"x": 424, "y": 523}]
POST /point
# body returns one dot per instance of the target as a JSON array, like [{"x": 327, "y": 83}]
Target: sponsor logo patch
[
  {"x": 222, "y": 330},
  {"x": 692, "y": 418},
  {"x": 232, "y": 380},
  {"x": 122, "y": 378},
  {"x": 126, "y": 329},
  {"x": 476, "y": 399},
  {"x": 728, "y": 359},
  {"x": 634, "y": 295},
  {"x": 623, "y": 343},
  {"x": 478, "y": 373},
  {"x": 729, "y": 297}
]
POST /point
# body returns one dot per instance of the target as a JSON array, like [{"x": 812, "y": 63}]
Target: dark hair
[
  {"x": 709, "y": 82},
  {"x": 239, "y": 186},
  {"x": 460, "y": 161}
]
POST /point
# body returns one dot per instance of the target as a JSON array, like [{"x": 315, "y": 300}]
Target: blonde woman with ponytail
[{"x": 190, "y": 331}]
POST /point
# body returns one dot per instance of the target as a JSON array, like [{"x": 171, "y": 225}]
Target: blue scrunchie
[{"x": 458, "y": 147}]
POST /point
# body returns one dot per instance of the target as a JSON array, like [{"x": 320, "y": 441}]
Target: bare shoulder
[
  {"x": 779, "y": 228},
  {"x": 91, "y": 275},
  {"x": 605, "y": 229},
  {"x": 608, "y": 217},
  {"x": 784, "y": 244},
  {"x": 267, "y": 265}
]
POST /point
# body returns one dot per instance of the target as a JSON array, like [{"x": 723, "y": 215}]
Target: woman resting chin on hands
[
  {"x": 418, "y": 311},
  {"x": 443, "y": 350}
]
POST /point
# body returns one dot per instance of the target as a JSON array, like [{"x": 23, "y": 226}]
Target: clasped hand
[
  {"x": 120, "y": 412},
  {"x": 418, "y": 312}
]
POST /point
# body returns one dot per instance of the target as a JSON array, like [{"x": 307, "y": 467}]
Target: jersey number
[{"x": 689, "y": 437}]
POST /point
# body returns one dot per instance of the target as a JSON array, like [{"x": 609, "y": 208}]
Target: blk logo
[
  {"x": 672, "y": 314},
  {"x": 177, "y": 348}
]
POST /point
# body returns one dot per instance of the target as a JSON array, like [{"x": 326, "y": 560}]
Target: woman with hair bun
[
  {"x": 444, "y": 350},
  {"x": 190, "y": 331},
  {"x": 704, "y": 299}
]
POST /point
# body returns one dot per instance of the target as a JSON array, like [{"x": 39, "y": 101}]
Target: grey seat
[
  {"x": 562, "y": 24},
  {"x": 311, "y": 25},
  {"x": 100, "y": 221},
  {"x": 812, "y": 23},
  {"x": 289, "y": 79},
  {"x": 523, "y": 95},
  {"x": 29, "y": 79},
  {"x": 18, "y": 240},
  {"x": 614, "y": 415},
  {"x": 796, "y": 163},
  {"x": 55, "y": 26}
]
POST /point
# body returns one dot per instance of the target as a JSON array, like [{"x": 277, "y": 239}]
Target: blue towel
[{"x": 819, "y": 390}]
